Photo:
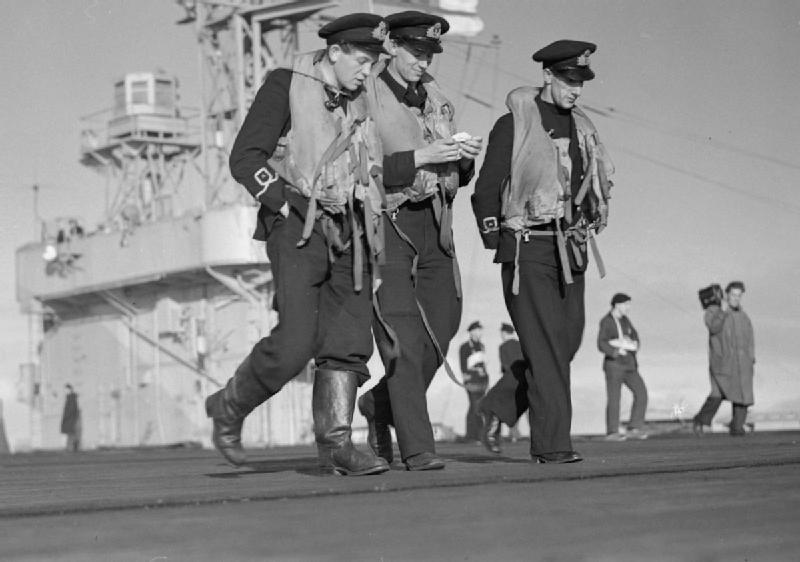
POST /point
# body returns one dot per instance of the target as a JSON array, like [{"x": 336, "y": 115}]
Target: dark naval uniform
[
  {"x": 507, "y": 399},
  {"x": 472, "y": 359},
  {"x": 322, "y": 315},
  {"x": 419, "y": 294},
  {"x": 546, "y": 308}
]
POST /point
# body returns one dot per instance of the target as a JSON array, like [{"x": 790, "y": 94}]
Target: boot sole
[{"x": 339, "y": 471}]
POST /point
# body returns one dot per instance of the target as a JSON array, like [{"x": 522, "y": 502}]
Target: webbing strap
[
  {"x": 515, "y": 280},
  {"x": 444, "y": 220},
  {"x": 448, "y": 369},
  {"x": 576, "y": 252},
  {"x": 587, "y": 182},
  {"x": 562, "y": 253},
  {"x": 357, "y": 247},
  {"x": 601, "y": 268},
  {"x": 338, "y": 145},
  {"x": 561, "y": 243}
]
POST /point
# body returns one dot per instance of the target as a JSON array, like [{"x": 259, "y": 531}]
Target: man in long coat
[
  {"x": 731, "y": 356},
  {"x": 71, "y": 420}
]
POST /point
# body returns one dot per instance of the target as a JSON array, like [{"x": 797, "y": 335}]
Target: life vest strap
[
  {"x": 448, "y": 369},
  {"x": 443, "y": 214},
  {"x": 336, "y": 148},
  {"x": 561, "y": 243},
  {"x": 598, "y": 259},
  {"x": 515, "y": 280},
  {"x": 582, "y": 236}
]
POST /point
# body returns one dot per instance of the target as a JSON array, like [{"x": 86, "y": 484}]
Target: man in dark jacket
[
  {"x": 506, "y": 401},
  {"x": 472, "y": 356},
  {"x": 419, "y": 297},
  {"x": 539, "y": 199},
  {"x": 316, "y": 246},
  {"x": 618, "y": 341}
]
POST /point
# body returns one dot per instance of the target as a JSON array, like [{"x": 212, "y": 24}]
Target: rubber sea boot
[
  {"x": 332, "y": 403},
  {"x": 379, "y": 436}
]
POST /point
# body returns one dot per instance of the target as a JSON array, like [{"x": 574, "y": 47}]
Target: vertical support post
[
  {"x": 241, "y": 83},
  {"x": 257, "y": 49}
]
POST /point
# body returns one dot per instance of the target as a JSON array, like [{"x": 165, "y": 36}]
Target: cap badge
[
  {"x": 380, "y": 31},
  {"x": 434, "y": 31},
  {"x": 583, "y": 60}
]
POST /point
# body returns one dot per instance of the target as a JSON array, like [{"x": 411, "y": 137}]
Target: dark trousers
[
  {"x": 399, "y": 398},
  {"x": 474, "y": 421},
  {"x": 549, "y": 317},
  {"x": 709, "y": 409},
  {"x": 320, "y": 317},
  {"x": 616, "y": 376},
  {"x": 508, "y": 398}
]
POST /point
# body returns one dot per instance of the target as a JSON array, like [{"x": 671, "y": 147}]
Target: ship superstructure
[{"x": 153, "y": 309}]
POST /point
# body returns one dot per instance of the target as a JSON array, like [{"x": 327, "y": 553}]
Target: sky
[{"x": 695, "y": 101}]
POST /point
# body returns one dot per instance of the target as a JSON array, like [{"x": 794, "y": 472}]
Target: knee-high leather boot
[
  {"x": 333, "y": 401},
  {"x": 228, "y": 408}
]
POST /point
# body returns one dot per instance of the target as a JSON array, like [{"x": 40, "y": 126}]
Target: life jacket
[
  {"x": 404, "y": 128},
  {"x": 333, "y": 159},
  {"x": 538, "y": 190}
]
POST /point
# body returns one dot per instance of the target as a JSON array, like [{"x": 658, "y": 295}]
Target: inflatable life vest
[
  {"x": 538, "y": 190},
  {"x": 539, "y": 183},
  {"x": 333, "y": 159},
  {"x": 402, "y": 128}
]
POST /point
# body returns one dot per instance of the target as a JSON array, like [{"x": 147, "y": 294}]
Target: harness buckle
[
  {"x": 526, "y": 235},
  {"x": 393, "y": 215}
]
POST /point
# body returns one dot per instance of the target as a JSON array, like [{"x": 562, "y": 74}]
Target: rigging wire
[
  {"x": 633, "y": 119},
  {"x": 782, "y": 204}
]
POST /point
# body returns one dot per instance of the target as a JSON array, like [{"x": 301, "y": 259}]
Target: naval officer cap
[
  {"x": 418, "y": 30},
  {"x": 568, "y": 59},
  {"x": 367, "y": 31}
]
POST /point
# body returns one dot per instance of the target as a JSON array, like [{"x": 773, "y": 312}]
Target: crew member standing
[
  {"x": 476, "y": 380},
  {"x": 419, "y": 297},
  {"x": 307, "y": 152},
  {"x": 618, "y": 341},
  {"x": 541, "y": 196}
]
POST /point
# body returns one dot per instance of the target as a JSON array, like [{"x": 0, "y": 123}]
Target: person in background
[
  {"x": 71, "y": 419},
  {"x": 476, "y": 380},
  {"x": 618, "y": 341},
  {"x": 731, "y": 360},
  {"x": 506, "y": 401}
]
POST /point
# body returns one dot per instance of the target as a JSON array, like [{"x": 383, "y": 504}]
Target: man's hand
[
  {"x": 470, "y": 149},
  {"x": 439, "y": 151}
]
